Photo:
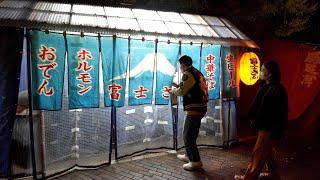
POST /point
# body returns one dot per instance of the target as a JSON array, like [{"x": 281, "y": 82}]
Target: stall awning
[{"x": 121, "y": 21}]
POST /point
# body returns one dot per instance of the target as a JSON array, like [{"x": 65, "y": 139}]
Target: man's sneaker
[
  {"x": 191, "y": 166},
  {"x": 238, "y": 177},
  {"x": 183, "y": 157}
]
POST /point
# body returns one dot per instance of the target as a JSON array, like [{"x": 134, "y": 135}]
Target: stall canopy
[{"x": 120, "y": 21}]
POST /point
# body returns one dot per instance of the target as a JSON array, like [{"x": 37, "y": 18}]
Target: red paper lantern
[{"x": 249, "y": 68}]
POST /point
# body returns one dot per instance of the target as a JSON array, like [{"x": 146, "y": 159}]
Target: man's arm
[{"x": 187, "y": 82}]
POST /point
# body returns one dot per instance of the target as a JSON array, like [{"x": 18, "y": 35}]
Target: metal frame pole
[
  {"x": 43, "y": 143},
  {"x": 221, "y": 95},
  {"x": 33, "y": 159}
]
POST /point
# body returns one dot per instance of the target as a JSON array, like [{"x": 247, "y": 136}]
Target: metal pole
[
  {"x": 33, "y": 159},
  {"x": 221, "y": 94},
  {"x": 43, "y": 143},
  {"x": 113, "y": 141},
  {"x": 111, "y": 137},
  {"x": 177, "y": 105},
  {"x": 229, "y": 111},
  {"x": 113, "y": 118}
]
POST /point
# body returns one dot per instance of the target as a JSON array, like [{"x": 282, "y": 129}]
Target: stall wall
[{"x": 77, "y": 132}]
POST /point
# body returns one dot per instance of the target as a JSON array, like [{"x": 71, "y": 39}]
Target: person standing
[
  {"x": 269, "y": 114},
  {"x": 194, "y": 90}
]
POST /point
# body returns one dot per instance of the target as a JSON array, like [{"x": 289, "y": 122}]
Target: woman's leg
[{"x": 261, "y": 152}]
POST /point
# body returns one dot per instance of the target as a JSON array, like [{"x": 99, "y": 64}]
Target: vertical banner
[
  {"x": 142, "y": 58},
  {"x": 114, "y": 64},
  {"x": 83, "y": 68},
  {"x": 210, "y": 68},
  {"x": 48, "y": 60},
  {"x": 229, "y": 56},
  {"x": 166, "y": 58},
  {"x": 193, "y": 51}
]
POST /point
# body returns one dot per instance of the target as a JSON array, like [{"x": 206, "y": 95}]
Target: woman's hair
[{"x": 274, "y": 70}]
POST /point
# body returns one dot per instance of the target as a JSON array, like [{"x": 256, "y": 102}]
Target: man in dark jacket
[{"x": 194, "y": 90}]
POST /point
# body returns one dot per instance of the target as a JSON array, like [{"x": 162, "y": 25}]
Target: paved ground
[{"x": 298, "y": 156}]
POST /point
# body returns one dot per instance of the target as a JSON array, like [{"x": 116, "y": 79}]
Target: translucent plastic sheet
[
  {"x": 143, "y": 127},
  {"x": 211, "y": 129},
  {"x": 76, "y": 137},
  {"x": 21, "y": 147},
  {"x": 94, "y": 136}
]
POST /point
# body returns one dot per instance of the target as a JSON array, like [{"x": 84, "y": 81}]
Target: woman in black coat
[{"x": 269, "y": 115}]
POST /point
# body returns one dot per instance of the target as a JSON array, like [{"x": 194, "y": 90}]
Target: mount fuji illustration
[{"x": 147, "y": 65}]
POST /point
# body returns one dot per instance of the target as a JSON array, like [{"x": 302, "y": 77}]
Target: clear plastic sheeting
[
  {"x": 21, "y": 147},
  {"x": 210, "y": 132},
  {"x": 230, "y": 119},
  {"x": 143, "y": 127},
  {"x": 93, "y": 136},
  {"x": 76, "y": 137},
  {"x": 59, "y": 139}
]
